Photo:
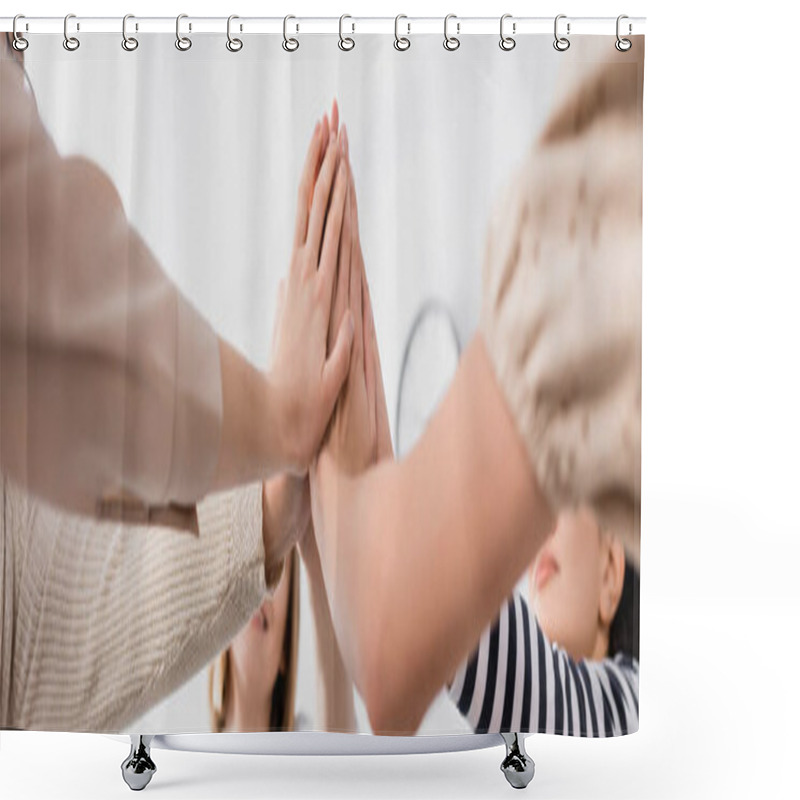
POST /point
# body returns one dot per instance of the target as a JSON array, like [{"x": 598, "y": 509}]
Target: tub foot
[
  {"x": 138, "y": 768},
  {"x": 517, "y": 766}
]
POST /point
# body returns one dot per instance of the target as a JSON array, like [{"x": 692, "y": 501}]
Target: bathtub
[{"x": 139, "y": 767}]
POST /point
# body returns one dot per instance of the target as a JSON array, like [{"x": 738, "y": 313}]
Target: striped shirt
[{"x": 517, "y": 681}]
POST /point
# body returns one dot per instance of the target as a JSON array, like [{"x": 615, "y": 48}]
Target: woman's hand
[
  {"x": 286, "y": 504},
  {"x": 307, "y": 372},
  {"x": 285, "y": 499},
  {"x": 358, "y": 435}
]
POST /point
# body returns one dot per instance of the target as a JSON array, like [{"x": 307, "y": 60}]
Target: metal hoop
[
  {"x": 561, "y": 43},
  {"x": 71, "y": 43},
  {"x": 290, "y": 44},
  {"x": 623, "y": 45},
  {"x": 183, "y": 43},
  {"x": 346, "y": 43},
  {"x": 507, "y": 42},
  {"x": 401, "y": 43},
  {"x": 233, "y": 44},
  {"x": 129, "y": 43},
  {"x": 451, "y": 43},
  {"x": 18, "y": 41}
]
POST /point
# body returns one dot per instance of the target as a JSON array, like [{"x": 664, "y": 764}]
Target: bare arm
[
  {"x": 334, "y": 684},
  {"x": 418, "y": 555}
]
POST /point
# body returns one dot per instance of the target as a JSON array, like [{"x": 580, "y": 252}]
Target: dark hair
[{"x": 624, "y": 634}]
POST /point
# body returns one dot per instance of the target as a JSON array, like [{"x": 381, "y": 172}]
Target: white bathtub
[{"x": 138, "y": 768}]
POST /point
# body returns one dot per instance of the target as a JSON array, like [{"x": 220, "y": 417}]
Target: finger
[
  {"x": 325, "y": 135},
  {"x": 335, "y": 116},
  {"x": 341, "y": 291},
  {"x": 326, "y": 130},
  {"x": 384, "y": 433},
  {"x": 322, "y": 193},
  {"x": 306, "y": 188},
  {"x": 333, "y": 232},
  {"x": 336, "y": 367},
  {"x": 356, "y": 287},
  {"x": 369, "y": 364},
  {"x": 356, "y": 234}
]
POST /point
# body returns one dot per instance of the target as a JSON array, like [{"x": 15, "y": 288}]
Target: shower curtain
[{"x": 151, "y": 202}]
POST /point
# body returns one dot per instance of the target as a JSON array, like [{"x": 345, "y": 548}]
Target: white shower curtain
[{"x": 206, "y": 148}]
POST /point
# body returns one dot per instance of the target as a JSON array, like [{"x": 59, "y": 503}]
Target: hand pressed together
[{"x": 306, "y": 374}]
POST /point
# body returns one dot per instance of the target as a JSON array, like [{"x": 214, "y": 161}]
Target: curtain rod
[{"x": 461, "y": 26}]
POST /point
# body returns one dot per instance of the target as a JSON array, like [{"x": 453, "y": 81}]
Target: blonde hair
[{"x": 283, "y": 693}]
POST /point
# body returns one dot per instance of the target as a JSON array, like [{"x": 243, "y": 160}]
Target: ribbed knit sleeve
[{"x": 108, "y": 619}]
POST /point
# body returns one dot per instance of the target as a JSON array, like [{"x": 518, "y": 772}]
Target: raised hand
[
  {"x": 286, "y": 510},
  {"x": 307, "y": 374},
  {"x": 358, "y": 435}
]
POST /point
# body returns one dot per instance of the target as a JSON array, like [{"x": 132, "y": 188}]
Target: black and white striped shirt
[{"x": 516, "y": 681}]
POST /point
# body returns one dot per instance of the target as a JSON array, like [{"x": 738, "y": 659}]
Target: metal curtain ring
[
  {"x": 561, "y": 43},
  {"x": 451, "y": 42},
  {"x": 401, "y": 42},
  {"x": 233, "y": 44},
  {"x": 507, "y": 42},
  {"x": 18, "y": 41},
  {"x": 346, "y": 42},
  {"x": 183, "y": 43},
  {"x": 290, "y": 44},
  {"x": 129, "y": 43},
  {"x": 623, "y": 45},
  {"x": 71, "y": 43}
]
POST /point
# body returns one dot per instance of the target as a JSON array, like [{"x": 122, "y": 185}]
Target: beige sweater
[
  {"x": 100, "y": 621},
  {"x": 562, "y": 299},
  {"x": 110, "y": 379}
]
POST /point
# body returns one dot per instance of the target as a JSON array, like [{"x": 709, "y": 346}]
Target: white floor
[{"x": 719, "y": 707}]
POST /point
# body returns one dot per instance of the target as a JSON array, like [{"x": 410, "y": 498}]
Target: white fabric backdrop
[{"x": 206, "y": 149}]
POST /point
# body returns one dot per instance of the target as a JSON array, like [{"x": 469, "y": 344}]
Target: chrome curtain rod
[{"x": 459, "y": 26}]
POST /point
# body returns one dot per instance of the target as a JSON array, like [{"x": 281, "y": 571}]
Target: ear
[{"x": 612, "y": 579}]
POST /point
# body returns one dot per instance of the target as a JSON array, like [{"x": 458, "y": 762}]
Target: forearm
[
  {"x": 418, "y": 556},
  {"x": 250, "y": 439},
  {"x": 334, "y": 684}
]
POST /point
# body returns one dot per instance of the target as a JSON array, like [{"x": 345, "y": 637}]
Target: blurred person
[
  {"x": 542, "y": 416},
  {"x": 571, "y": 667},
  {"x": 99, "y": 621},
  {"x": 117, "y": 398}
]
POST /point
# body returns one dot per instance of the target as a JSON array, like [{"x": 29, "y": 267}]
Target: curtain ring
[
  {"x": 623, "y": 45},
  {"x": 401, "y": 43},
  {"x": 290, "y": 44},
  {"x": 507, "y": 42},
  {"x": 233, "y": 44},
  {"x": 129, "y": 43},
  {"x": 18, "y": 41},
  {"x": 71, "y": 43},
  {"x": 183, "y": 43},
  {"x": 451, "y": 42},
  {"x": 346, "y": 43},
  {"x": 561, "y": 43}
]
